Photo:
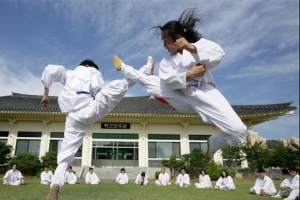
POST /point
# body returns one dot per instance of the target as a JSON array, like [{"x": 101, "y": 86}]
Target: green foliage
[
  {"x": 257, "y": 155},
  {"x": 5, "y": 153},
  {"x": 174, "y": 165},
  {"x": 232, "y": 155},
  {"x": 27, "y": 163},
  {"x": 157, "y": 174},
  {"x": 214, "y": 170},
  {"x": 50, "y": 159},
  {"x": 272, "y": 144},
  {"x": 194, "y": 162}
]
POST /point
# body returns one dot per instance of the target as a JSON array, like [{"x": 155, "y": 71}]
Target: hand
[
  {"x": 182, "y": 43},
  {"x": 197, "y": 70},
  {"x": 45, "y": 101}
]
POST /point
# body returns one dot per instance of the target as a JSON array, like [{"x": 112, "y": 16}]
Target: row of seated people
[{"x": 263, "y": 184}]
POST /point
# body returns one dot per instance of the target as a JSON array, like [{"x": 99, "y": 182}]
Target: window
[
  {"x": 3, "y": 141},
  {"x": 163, "y": 149},
  {"x": 199, "y": 145},
  {"x": 4, "y": 136},
  {"x": 28, "y": 146}
]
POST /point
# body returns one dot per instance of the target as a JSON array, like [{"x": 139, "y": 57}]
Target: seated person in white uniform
[
  {"x": 163, "y": 178},
  {"x": 70, "y": 177},
  {"x": 204, "y": 180},
  {"x": 13, "y": 177},
  {"x": 263, "y": 185},
  {"x": 183, "y": 179},
  {"x": 141, "y": 179},
  {"x": 290, "y": 186},
  {"x": 91, "y": 177},
  {"x": 225, "y": 182},
  {"x": 46, "y": 176},
  {"x": 122, "y": 178}
]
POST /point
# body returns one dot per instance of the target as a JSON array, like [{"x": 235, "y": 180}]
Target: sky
[{"x": 260, "y": 39}]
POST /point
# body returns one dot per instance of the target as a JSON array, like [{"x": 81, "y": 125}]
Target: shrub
[
  {"x": 214, "y": 170},
  {"x": 50, "y": 159},
  {"x": 157, "y": 174},
  {"x": 5, "y": 151},
  {"x": 27, "y": 163}
]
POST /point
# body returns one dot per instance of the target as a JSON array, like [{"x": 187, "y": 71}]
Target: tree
[
  {"x": 257, "y": 156},
  {"x": 197, "y": 162},
  {"x": 174, "y": 165},
  {"x": 5, "y": 153},
  {"x": 50, "y": 159},
  {"x": 232, "y": 155},
  {"x": 27, "y": 163}
]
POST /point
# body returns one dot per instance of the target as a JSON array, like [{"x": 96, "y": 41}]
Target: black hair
[
  {"x": 261, "y": 170},
  {"x": 294, "y": 169},
  {"x": 143, "y": 174},
  {"x": 184, "y": 26},
  {"x": 70, "y": 167},
  {"x": 203, "y": 170},
  {"x": 89, "y": 63},
  {"x": 226, "y": 173},
  {"x": 183, "y": 169},
  {"x": 122, "y": 170},
  {"x": 91, "y": 168}
]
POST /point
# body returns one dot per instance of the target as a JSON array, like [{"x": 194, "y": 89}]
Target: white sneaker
[
  {"x": 149, "y": 67},
  {"x": 276, "y": 196}
]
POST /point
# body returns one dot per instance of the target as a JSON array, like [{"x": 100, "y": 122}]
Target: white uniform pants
[
  {"x": 77, "y": 123},
  {"x": 292, "y": 194},
  {"x": 268, "y": 192},
  {"x": 14, "y": 183},
  {"x": 205, "y": 100},
  {"x": 138, "y": 183},
  {"x": 198, "y": 185},
  {"x": 157, "y": 182},
  {"x": 45, "y": 182}
]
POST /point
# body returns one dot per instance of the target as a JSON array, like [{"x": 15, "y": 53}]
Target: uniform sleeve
[
  {"x": 137, "y": 178},
  {"x": 295, "y": 183},
  {"x": 42, "y": 176},
  {"x": 118, "y": 177},
  {"x": 53, "y": 73},
  {"x": 87, "y": 177},
  {"x": 219, "y": 182},
  {"x": 170, "y": 76},
  {"x": 267, "y": 184},
  {"x": 6, "y": 175},
  {"x": 97, "y": 81},
  {"x": 209, "y": 53},
  {"x": 126, "y": 179},
  {"x": 229, "y": 181},
  {"x": 285, "y": 183},
  {"x": 19, "y": 175},
  {"x": 209, "y": 181}
]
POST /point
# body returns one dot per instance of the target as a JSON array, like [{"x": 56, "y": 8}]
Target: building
[
  {"x": 289, "y": 142},
  {"x": 140, "y": 132},
  {"x": 253, "y": 137}
]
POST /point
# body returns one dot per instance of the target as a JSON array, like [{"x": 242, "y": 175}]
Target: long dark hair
[
  {"x": 185, "y": 26},
  {"x": 226, "y": 173}
]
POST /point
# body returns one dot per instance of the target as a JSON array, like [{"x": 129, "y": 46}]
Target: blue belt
[{"x": 84, "y": 92}]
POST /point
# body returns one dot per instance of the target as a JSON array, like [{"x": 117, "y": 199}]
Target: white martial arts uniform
[
  {"x": 13, "y": 177},
  {"x": 85, "y": 99},
  {"x": 183, "y": 180},
  {"x": 293, "y": 187},
  {"x": 198, "y": 96},
  {"x": 139, "y": 179},
  {"x": 204, "y": 182},
  {"x": 266, "y": 184},
  {"x": 70, "y": 178},
  {"x": 225, "y": 183},
  {"x": 91, "y": 178},
  {"x": 46, "y": 177},
  {"x": 163, "y": 179},
  {"x": 122, "y": 178}
]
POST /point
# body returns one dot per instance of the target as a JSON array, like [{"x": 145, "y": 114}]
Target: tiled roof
[{"x": 140, "y": 105}]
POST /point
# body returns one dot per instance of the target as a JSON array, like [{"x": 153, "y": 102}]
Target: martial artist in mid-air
[
  {"x": 85, "y": 99},
  {"x": 186, "y": 83}
]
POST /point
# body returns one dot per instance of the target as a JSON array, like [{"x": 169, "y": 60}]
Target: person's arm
[
  {"x": 218, "y": 183},
  {"x": 295, "y": 183},
  {"x": 126, "y": 178},
  {"x": 42, "y": 176},
  {"x": 267, "y": 184},
  {"x": 5, "y": 178},
  {"x": 52, "y": 73},
  {"x": 118, "y": 178},
  {"x": 87, "y": 179},
  {"x": 209, "y": 181}
]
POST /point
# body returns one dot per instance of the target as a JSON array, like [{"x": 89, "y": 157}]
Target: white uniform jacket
[
  {"x": 183, "y": 179},
  {"x": 13, "y": 177},
  {"x": 81, "y": 85},
  {"x": 138, "y": 179},
  {"x": 91, "y": 178},
  {"x": 46, "y": 176},
  {"x": 122, "y": 178},
  {"x": 226, "y": 182},
  {"x": 164, "y": 178},
  {"x": 173, "y": 68},
  {"x": 70, "y": 176},
  {"x": 204, "y": 181},
  {"x": 266, "y": 184}
]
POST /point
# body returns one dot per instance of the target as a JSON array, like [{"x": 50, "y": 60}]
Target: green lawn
[{"x": 109, "y": 191}]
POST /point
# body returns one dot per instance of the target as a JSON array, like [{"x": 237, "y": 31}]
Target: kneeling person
[
  {"x": 46, "y": 176},
  {"x": 91, "y": 177},
  {"x": 183, "y": 179},
  {"x": 70, "y": 177},
  {"x": 141, "y": 179}
]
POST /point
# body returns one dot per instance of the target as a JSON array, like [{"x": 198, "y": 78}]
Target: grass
[{"x": 32, "y": 190}]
